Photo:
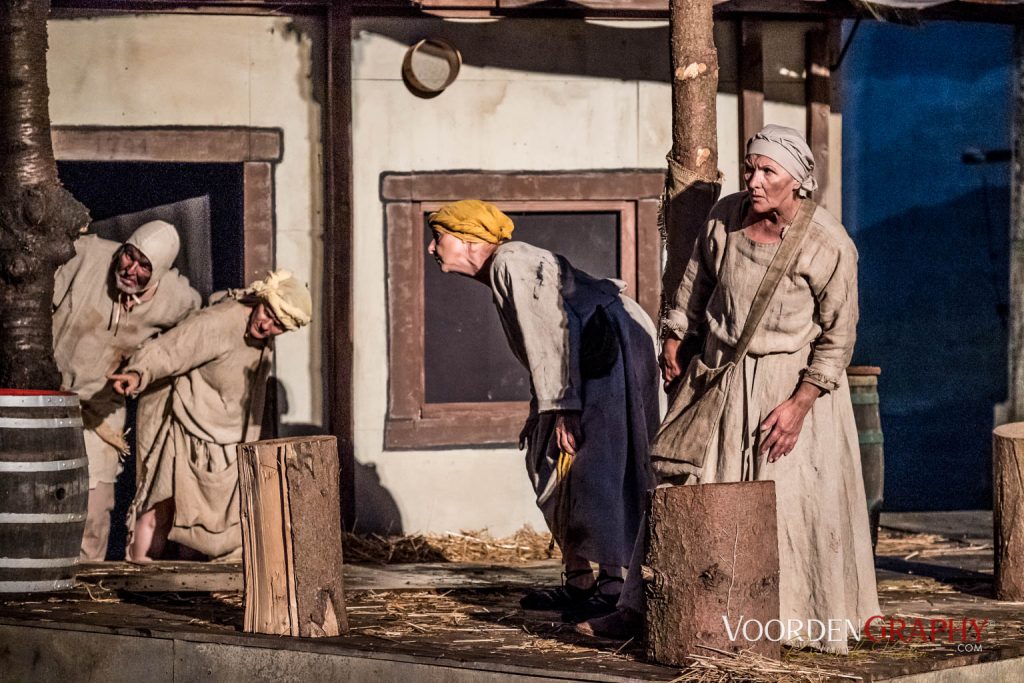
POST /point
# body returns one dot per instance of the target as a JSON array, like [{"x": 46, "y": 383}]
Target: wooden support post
[
  {"x": 712, "y": 557},
  {"x": 693, "y": 181},
  {"x": 291, "y": 537},
  {"x": 338, "y": 231},
  {"x": 1008, "y": 509},
  {"x": 750, "y": 77},
  {"x": 819, "y": 105}
]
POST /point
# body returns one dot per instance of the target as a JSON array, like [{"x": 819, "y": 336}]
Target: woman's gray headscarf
[{"x": 788, "y": 149}]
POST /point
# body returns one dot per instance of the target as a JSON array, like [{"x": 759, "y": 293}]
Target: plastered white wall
[
  {"x": 203, "y": 70},
  {"x": 531, "y": 95}
]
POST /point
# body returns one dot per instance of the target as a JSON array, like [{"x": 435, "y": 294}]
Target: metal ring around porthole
[{"x": 430, "y": 66}]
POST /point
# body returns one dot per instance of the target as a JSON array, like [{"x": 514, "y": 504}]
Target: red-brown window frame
[{"x": 411, "y": 422}]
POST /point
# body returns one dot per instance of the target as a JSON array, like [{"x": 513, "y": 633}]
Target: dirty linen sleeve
[
  {"x": 182, "y": 298},
  {"x": 66, "y": 273},
  {"x": 837, "y": 313},
  {"x": 193, "y": 342},
  {"x": 688, "y": 307},
  {"x": 532, "y": 292}
]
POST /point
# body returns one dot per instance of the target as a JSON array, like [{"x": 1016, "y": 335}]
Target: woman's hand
[
  {"x": 568, "y": 431},
  {"x": 671, "y": 368},
  {"x": 781, "y": 429},
  {"x": 126, "y": 384}
]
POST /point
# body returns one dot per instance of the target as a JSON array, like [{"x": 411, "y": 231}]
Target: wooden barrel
[
  {"x": 864, "y": 393},
  {"x": 44, "y": 490}
]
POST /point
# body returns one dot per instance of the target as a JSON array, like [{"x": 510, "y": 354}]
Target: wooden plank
[
  {"x": 587, "y": 186},
  {"x": 456, "y": 429},
  {"x": 819, "y": 105},
  {"x": 750, "y": 84},
  {"x": 261, "y": 512},
  {"x": 257, "y": 220},
  {"x": 648, "y": 257},
  {"x": 337, "y": 285},
  {"x": 405, "y": 310},
  {"x": 712, "y": 555},
  {"x": 291, "y": 537},
  {"x": 186, "y": 144},
  {"x": 226, "y": 577}
]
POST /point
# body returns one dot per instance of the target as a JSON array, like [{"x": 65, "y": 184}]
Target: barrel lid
[
  {"x": 34, "y": 392},
  {"x": 37, "y": 398},
  {"x": 864, "y": 370}
]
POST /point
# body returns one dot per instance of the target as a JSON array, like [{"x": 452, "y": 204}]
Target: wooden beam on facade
[
  {"x": 749, "y": 83},
  {"x": 185, "y": 144},
  {"x": 990, "y": 11},
  {"x": 337, "y": 284},
  {"x": 819, "y": 104}
]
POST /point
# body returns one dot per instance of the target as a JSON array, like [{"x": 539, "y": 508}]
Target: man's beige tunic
[
  {"x": 215, "y": 403},
  {"x": 807, "y": 333},
  {"x": 93, "y": 334}
]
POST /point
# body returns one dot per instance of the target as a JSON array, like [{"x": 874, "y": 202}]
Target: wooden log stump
[
  {"x": 712, "y": 560},
  {"x": 1008, "y": 509},
  {"x": 291, "y": 537}
]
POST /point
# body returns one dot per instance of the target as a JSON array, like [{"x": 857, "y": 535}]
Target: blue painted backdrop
[{"x": 932, "y": 234}]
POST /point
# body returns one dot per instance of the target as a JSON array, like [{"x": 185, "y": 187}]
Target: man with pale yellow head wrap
[
  {"x": 590, "y": 353},
  {"x": 217, "y": 361}
]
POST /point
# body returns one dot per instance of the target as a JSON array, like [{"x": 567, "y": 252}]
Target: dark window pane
[
  {"x": 467, "y": 356},
  {"x": 113, "y": 188}
]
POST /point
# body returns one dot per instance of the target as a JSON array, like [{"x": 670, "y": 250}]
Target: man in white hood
[{"x": 107, "y": 300}]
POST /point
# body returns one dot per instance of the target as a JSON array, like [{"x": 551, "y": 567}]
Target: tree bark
[
  {"x": 693, "y": 181},
  {"x": 712, "y": 563},
  {"x": 39, "y": 219}
]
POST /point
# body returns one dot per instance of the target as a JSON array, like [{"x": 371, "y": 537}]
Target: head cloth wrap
[
  {"x": 787, "y": 148},
  {"x": 287, "y": 297},
  {"x": 472, "y": 220},
  {"x": 158, "y": 241}
]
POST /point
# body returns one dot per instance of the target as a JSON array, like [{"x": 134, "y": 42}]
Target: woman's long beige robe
[
  {"x": 216, "y": 399},
  {"x": 807, "y": 334}
]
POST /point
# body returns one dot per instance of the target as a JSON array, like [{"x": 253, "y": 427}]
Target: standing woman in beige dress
[{"x": 788, "y": 415}]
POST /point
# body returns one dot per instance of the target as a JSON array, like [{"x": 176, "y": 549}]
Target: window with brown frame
[{"x": 453, "y": 380}]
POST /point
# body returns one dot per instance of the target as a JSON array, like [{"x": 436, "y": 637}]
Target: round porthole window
[{"x": 430, "y": 66}]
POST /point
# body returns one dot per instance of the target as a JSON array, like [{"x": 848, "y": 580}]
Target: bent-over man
[
  {"x": 107, "y": 300},
  {"x": 219, "y": 358}
]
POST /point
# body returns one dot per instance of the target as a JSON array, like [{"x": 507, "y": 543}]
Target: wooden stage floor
[{"x": 454, "y": 622}]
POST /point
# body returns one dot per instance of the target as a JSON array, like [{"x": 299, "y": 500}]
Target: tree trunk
[
  {"x": 693, "y": 181},
  {"x": 712, "y": 564},
  {"x": 39, "y": 219}
]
